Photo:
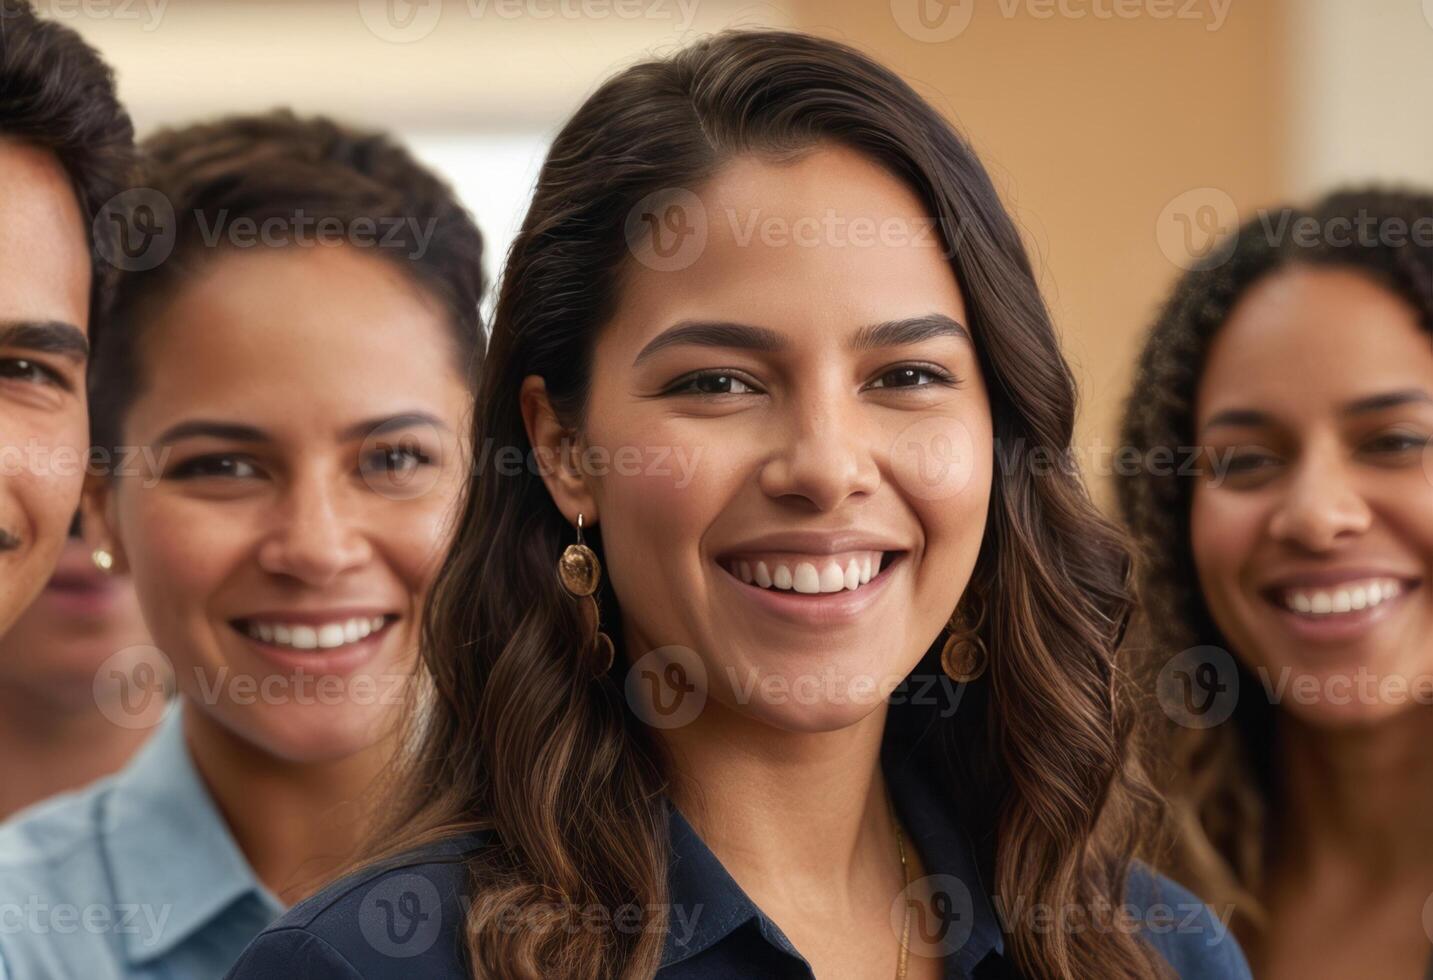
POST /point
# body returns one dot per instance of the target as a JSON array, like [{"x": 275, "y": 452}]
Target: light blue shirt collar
[{"x": 167, "y": 845}]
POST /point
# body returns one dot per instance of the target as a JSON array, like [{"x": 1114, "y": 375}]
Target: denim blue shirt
[
  {"x": 135, "y": 877},
  {"x": 406, "y": 919}
]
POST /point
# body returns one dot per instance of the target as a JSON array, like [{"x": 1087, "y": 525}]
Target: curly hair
[
  {"x": 57, "y": 94},
  {"x": 522, "y": 741},
  {"x": 1219, "y": 779},
  {"x": 304, "y": 173}
]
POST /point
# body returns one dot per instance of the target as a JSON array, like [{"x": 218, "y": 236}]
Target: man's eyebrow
[
  {"x": 745, "y": 336},
  {"x": 46, "y": 337}
]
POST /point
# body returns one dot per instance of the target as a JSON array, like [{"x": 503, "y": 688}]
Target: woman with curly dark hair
[
  {"x": 1286, "y": 579},
  {"x": 757, "y": 666}
]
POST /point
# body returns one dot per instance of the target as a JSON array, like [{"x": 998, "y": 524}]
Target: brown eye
[
  {"x": 396, "y": 460},
  {"x": 1397, "y": 443},
  {"x": 214, "y": 465},
  {"x": 28, "y": 371},
  {"x": 913, "y": 376},
  {"x": 712, "y": 383}
]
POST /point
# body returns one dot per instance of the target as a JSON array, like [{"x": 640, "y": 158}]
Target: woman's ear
[
  {"x": 559, "y": 453},
  {"x": 97, "y": 521}
]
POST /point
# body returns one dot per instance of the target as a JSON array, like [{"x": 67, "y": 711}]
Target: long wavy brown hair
[
  {"x": 1221, "y": 780},
  {"x": 518, "y": 738}
]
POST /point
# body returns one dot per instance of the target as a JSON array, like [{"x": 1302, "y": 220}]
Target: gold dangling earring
[
  {"x": 964, "y": 657},
  {"x": 579, "y": 572}
]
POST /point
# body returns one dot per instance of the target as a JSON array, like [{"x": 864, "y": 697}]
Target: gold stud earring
[
  {"x": 580, "y": 573},
  {"x": 964, "y": 657},
  {"x": 103, "y": 560}
]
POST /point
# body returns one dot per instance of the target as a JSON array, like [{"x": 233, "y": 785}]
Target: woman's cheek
[
  {"x": 935, "y": 458},
  {"x": 1224, "y": 530}
]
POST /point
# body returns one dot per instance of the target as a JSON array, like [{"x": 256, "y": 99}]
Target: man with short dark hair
[{"x": 66, "y": 146}]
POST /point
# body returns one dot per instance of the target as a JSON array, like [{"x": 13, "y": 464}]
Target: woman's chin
[{"x": 311, "y": 734}]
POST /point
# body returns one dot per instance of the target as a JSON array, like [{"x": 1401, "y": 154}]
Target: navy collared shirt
[{"x": 406, "y": 920}]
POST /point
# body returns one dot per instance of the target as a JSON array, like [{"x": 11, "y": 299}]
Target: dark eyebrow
[
  {"x": 1238, "y": 418},
  {"x": 199, "y": 428},
  {"x": 392, "y": 423},
  {"x": 241, "y": 432},
  {"x": 1251, "y": 418},
  {"x": 1388, "y": 399},
  {"x": 744, "y": 336},
  {"x": 46, "y": 337},
  {"x": 911, "y": 330}
]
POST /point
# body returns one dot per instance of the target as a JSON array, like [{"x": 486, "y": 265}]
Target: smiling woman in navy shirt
[{"x": 749, "y": 660}]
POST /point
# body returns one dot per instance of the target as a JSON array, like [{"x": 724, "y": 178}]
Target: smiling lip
[
  {"x": 821, "y": 609},
  {"x": 1319, "y": 595},
  {"x": 318, "y": 660},
  {"x": 814, "y": 543}
]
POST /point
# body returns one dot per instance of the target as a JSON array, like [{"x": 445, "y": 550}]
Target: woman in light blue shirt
[{"x": 280, "y": 401}]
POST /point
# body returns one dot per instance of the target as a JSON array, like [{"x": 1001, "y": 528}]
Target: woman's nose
[
  {"x": 1323, "y": 505},
  {"x": 316, "y": 537},
  {"x": 823, "y": 453}
]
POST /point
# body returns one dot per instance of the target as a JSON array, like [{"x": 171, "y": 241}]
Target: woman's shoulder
[
  {"x": 1192, "y": 937},
  {"x": 401, "y": 918}
]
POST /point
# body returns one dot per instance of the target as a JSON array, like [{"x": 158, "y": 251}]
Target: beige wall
[
  {"x": 1363, "y": 85},
  {"x": 1103, "y": 131},
  {"x": 1091, "y": 128}
]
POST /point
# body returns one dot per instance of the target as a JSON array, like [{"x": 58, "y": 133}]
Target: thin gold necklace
[{"x": 905, "y": 895}]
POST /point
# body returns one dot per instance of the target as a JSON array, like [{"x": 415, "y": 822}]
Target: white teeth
[
  {"x": 832, "y": 578},
  {"x": 1327, "y": 602},
  {"x": 326, "y": 636},
  {"x": 806, "y": 579},
  {"x": 836, "y": 574}
]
